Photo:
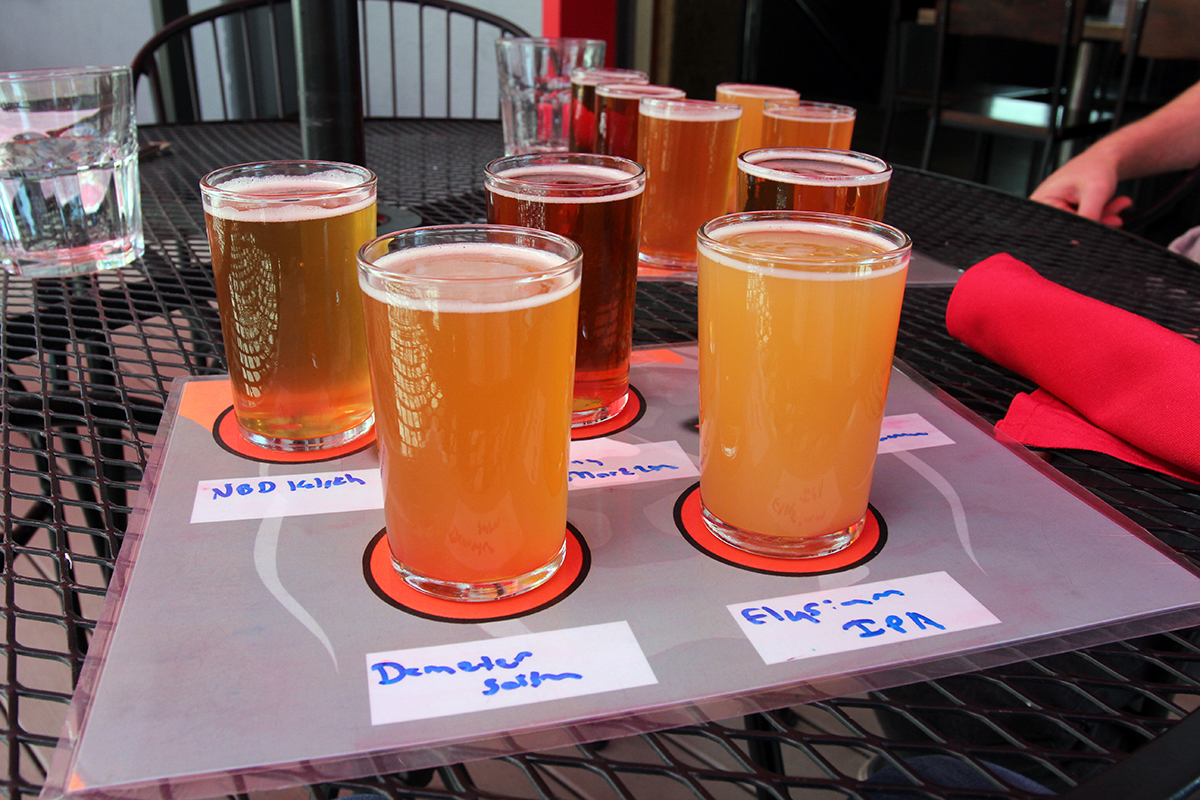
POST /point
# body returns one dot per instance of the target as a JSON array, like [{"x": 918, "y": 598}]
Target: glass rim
[
  {"x": 548, "y": 40},
  {"x": 64, "y": 72},
  {"x": 368, "y": 266},
  {"x": 606, "y": 72},
  {"x": 207, "y": 188},
  {"x": 494, "y": 177},
  {"x": 631, "y": 90},
  {"x": 835, "y": 110},
  {"x": 722, "y": 111},
  {"x": 880, "y": 175},
  {"x": 833, "y": 223},
  {"x": 762, "y": 90}
]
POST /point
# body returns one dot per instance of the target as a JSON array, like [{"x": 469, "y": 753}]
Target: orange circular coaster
[
  {"x": 635, "y": 408},
  {"x": 383, "y": 579},
  {"x": 863, "y": 549},
  {"x": 225, "y": 432}
]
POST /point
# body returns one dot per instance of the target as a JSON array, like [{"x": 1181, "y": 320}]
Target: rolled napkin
[{"x": 1109, "y": 380}]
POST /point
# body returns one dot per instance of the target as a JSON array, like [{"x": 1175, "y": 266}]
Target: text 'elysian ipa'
[
  {"x": 687, "y": 149},
  {"x": 595, "y": 201},
  {"x": 813, "y": 179},
  {"x": 806, "y": 124},
  {"x": 283, "y": 237},
  {"x": 798, "y": 319},
  {"x": 617, "y": 115},
  {"x": 583, "y": 102},
  {"x": 471, "y": 336}
]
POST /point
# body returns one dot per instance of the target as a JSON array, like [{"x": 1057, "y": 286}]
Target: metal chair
[
  {"x": 1156, "y": 30},
  {"x": 420, "y": 58}
]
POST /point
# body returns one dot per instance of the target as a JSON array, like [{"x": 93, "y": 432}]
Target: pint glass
[
  {"x": 806, "y": 124},
  {"x": 687, "y": 148},
  {"x": 596, "y": 201},
  {"x": 617, "y": 115},
  {"x": 751, "y": 97},
  {"x": 813, "y": 179},
  {"x": 798, "y": 319},
  {"x": 471, "y": 337},
  {"x": 583, "y": 101},
  {"x": 283, "y": 236}
]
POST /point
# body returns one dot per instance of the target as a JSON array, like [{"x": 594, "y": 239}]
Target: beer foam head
[
  {"x": 470, "y": 277},
  {"x": 757, "y": 90},
  {"x": 817, "y": 247},
  {"x": 689, "y": 110},
  {"x": 594, "y": 76},
  {"x": 815, "y": 166},
  {"x": 630, "y": 90},
  {"x": 289, "y": 198},
  {"x": 566, "y": 183},
  {"x": 809, "y": 112}
]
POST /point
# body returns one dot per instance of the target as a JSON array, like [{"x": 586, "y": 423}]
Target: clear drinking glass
[
  {"x": 69, "y": 195},
  {"x": 471, "y": 338},
  {"x": 798, "y": 319},
  {"x": 813, "y": 179},
  {"x": 584, "y": 81},
  {"x": 617, "y": 115},
  {"x": 807, "y": 124},
  {"x": 535, "y": 89}
]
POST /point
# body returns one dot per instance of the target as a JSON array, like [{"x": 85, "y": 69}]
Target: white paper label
[
  {"x": 439, "y": 681},
  {"x": 909, "y": 432},
  {"x": 607, "y": 462},
  {"x": 856, "y": 617},
  {"x": 287, "y": 495}
]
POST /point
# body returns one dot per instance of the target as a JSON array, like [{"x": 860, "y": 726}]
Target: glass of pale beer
[
  {"x": 583, "y": 101},
  {"x": 751, "y": 97},
  {"x": 471, "y": 339},
  {"x": 813, "y": 179},
  {"x": 596, "y": 201},
  {"x": 798, "y": 319},
  {"x": 807, "y": 124},
  {"x": 283, "y": 236},
  {"x": 617, "y": 115},
  {"x": 687, "y": 149}
]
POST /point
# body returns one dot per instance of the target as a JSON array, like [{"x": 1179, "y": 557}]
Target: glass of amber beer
[
  {"x": 813, "y": 179},
  {"x": 617, "y": 115},
  {"x": 798, "y": 319},
  {"x": 583, "y": 101},
  {"x": 596, "y": 201},
  {"x": 687, "y": 149},
  {"x": 283, "y": 236},
  {"x": 807, "y": 124},
  {"x": 751, "y": 97},
  {"x": 471, "y": 339}
]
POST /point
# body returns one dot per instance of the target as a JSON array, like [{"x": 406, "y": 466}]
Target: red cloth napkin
[{"x": 1111, "y": 381}]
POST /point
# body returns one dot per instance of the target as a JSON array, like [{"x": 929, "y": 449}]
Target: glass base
[
  {"x": 593, "y": 414},
  {"x": 68, "y": 263},
  {"x": 282, "y": 445},
  {"x": 778, "y": 546},
  {"x": 668, "y": 262},
  {"x": 480, "y": 592}
]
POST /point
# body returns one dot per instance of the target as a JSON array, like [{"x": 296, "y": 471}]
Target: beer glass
[
  {"x": 751, "y": 97},
  {"x": 813, "y": 179},
  {"x": 583, "y": 101},
  {"x": 806, "y": 124},
  {"x": 798, "y": 318},
  {"x": 535, "y": 89},
  {"x": 687, "y": 148},
  {"x": 471, "y": 338},
  {"x": 617, "y": 115},
  {"x": 596, "y": 201},
  {"x": 283, "y": 236}
]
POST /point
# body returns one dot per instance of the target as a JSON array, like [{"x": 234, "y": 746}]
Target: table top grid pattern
[{"x": 88, "y": 364}]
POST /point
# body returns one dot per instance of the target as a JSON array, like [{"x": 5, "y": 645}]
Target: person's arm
[{"x": 1164, "y": 141}]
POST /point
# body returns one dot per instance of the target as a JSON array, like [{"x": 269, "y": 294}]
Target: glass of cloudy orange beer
[
  {"x": 596, "y": 201},
  {"x": 807, "y": 124},
  {"x": 617, "y": 115},
  {"x": 687, "y": 149},
  {"x": 813, "y": 179},
  {"x": 584, "y": 82},
  {"x": 751, "y": 97},
  {"x": 798, "y": 319},
  {"x": 471, "y": 340},
  {"x": 283, "y": 236}
]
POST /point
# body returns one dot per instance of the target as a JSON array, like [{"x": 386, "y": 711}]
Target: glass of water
[{"x": 69, "y": 201}]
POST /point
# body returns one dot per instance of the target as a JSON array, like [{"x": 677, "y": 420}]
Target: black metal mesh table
[{"x": 88, "y": 364}]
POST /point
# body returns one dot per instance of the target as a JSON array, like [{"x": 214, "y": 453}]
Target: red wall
[{"x": 589, "y": 19}]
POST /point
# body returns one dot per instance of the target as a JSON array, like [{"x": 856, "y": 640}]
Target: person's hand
[{"x": 1085, "y": 185}]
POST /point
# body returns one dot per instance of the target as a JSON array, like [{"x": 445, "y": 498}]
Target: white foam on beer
[
  {"x": 472, "y": 278},
  {"x": 758, "y": 90},
  {"x": 289, "y": 198},
  {"x": 594, "y": 77},
  {"x": 812, "y": 113},
  {"x": 630, "y": 90},
  {"x": 591, "y": 179},
  {"x": 689, "y": 110},
  {"x": 797, "y": 263},
  {"x": 859, "y": 177}
]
